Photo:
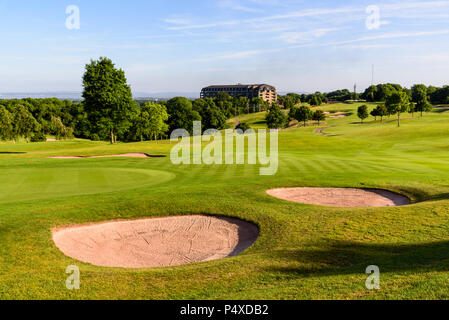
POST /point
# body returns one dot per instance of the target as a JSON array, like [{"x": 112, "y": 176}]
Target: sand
[
  {"x": 341, "y": 116},
  {"x": 320, "y": 131},
  {"x": 156, "y": 242},
  {"x": 126, "y": 155},
  {"x": 341, "y": 197}
]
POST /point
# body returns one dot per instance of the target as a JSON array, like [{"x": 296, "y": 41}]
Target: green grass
[{"x": 304, "y": 252}]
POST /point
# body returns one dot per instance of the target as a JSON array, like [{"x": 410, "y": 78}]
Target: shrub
[{"x": 39, "y": 137}]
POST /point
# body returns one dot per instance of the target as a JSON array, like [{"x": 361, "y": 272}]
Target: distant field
[{"x": 303, "y": 252}]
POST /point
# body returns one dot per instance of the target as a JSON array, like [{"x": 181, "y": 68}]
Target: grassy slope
[{"x": 304, "y": 251}]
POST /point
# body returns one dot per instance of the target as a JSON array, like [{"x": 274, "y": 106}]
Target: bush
[
  {"x": 95, "y": 137},
  {"x": 39, "y": 137},
  {"x": 243, "y": 126}
]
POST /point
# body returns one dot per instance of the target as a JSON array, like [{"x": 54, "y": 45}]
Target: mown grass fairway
[{"x": 304, "y": 251}]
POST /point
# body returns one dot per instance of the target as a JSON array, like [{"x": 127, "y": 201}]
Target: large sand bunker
[
  {"x": 126, "y": 155},
  {"x": 156, "y": 242},
  {"x": 341, "y": 197}
]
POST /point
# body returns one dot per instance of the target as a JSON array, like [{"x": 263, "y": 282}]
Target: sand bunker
[
  {"x": 156, "y": 242},
  {"x": 126, "y": 155},
  {"x": 341, "y": 116},
  {"x": 341, "y": 197}
]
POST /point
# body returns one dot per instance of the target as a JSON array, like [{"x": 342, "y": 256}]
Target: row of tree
[
  {"x": 278, "y": 119},
  {"x": 108, "y": 111},
  {"x": 380, "y": 92},
  {"x": 398, "y": 102}
]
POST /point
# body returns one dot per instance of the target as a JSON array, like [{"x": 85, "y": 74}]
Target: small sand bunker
[
  {"x": 341, "y": 197},
  {"x": 156, "y": 242},
  {"x": 341, "y": 116},
  {"x": 126, "y": 155}
]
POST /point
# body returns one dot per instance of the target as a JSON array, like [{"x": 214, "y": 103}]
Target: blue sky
[{"x": 184, "y": 45}]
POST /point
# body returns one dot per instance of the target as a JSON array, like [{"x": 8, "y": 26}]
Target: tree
[
  {"x": 241, "y": 104},
  {"x": 224, "y": 101},
  {"x": 181, "y": 114},
  {"x": 315, "y": 100},
  {"x": 362, "y": 112},
  {"x": 287, "y": 101},
  {"x": 398, "y": 102},
  {"x": 24, "y": 124},
  {"x": 296, "y": 97},
  {"x": 319, "y": 116},
  {"x": 107, "y": 99},
  {"x": 420, "y": 97},
  {"x": 292, "y": 113},
  {"x": 257, "y": 104},
  {"x": 150, "y": 121},
  {"x": 303, "y": 114},
  {"x": 382, "y": 111},
  {"x": 375, "y": 113},
  {"x": 276, "y": 118},
  {"x": 419, "y": 91},
  {"x": 423, "y": 106},
  {"x": 212, "y": 117},
  {"x": 59, "y": 129},
  {"x": 6, "y": 126}
]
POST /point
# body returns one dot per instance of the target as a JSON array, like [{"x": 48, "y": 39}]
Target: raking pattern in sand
[{"x": 157, "y": 242}]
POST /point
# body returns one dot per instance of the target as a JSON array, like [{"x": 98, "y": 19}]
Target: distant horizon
[{"x": 73, "y": 94}]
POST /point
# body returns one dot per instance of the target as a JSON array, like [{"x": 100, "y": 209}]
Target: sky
[{"x": 182, "y": 46}]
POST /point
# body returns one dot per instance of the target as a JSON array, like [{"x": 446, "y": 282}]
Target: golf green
[{"x": 51, "y": 182}]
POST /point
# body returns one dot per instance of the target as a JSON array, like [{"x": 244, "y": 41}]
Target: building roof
[{"x": 242, "y": 86}]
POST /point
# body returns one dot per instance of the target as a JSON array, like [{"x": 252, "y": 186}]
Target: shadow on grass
[
  {"x": 12, "y": 152},
  {"x": 440, "y": 109},
  {"x": 345, "y": 257}
]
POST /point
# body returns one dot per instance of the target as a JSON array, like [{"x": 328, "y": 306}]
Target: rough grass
[{"x": 304, "y": 252}]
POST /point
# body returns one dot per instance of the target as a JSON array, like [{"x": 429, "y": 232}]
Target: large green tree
[
  {"x": 362, "y": 112},
  {"x": 107, "y": 99},
  {"x": 181, "y": 114},
  {"x": 6, "y": 125},
  {"x": 59, "y": 129},
  {"x": 24, "y": 124},
  {"x": 276, "y": 118},
  {"x": 303, "y": 114},
  {"x": 150, "y": 121},
  {"x": 420, "y": 97},
  {"x": 319, "y": 116},
  {"x": 398, "y": 102}
]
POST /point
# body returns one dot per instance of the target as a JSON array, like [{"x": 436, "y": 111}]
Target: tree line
[{"x": 108, "y": 111}]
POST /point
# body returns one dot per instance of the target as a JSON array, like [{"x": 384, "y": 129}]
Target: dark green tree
[
  {"x": 107, "y": 99},
  {"x": 24, "y": 124},
  {"x": 276, "y": 118},
  {"x": 150, "y": 121},
  {"x": 421, "y": 99},
  {"x": 303, "y": 114},
  {"x": 398, "y": 102},
  {"x": 181, "y": 114},
  {"x": 319, "y": 116},
  {"x": 212, "y": 117},
  {"x": 362, "y": 112},
  {"x": 59, "y": 129},
  {"x": 6, "y": 125}
]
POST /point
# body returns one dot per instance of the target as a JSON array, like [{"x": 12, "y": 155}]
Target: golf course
[{"x": 302, "y": 251}]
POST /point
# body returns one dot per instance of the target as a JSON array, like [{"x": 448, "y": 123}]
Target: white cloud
[
  {"x": 234, "y": 55},
  {"x": 396, "y": 36},
  {"x": 295, "y": 37}
]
